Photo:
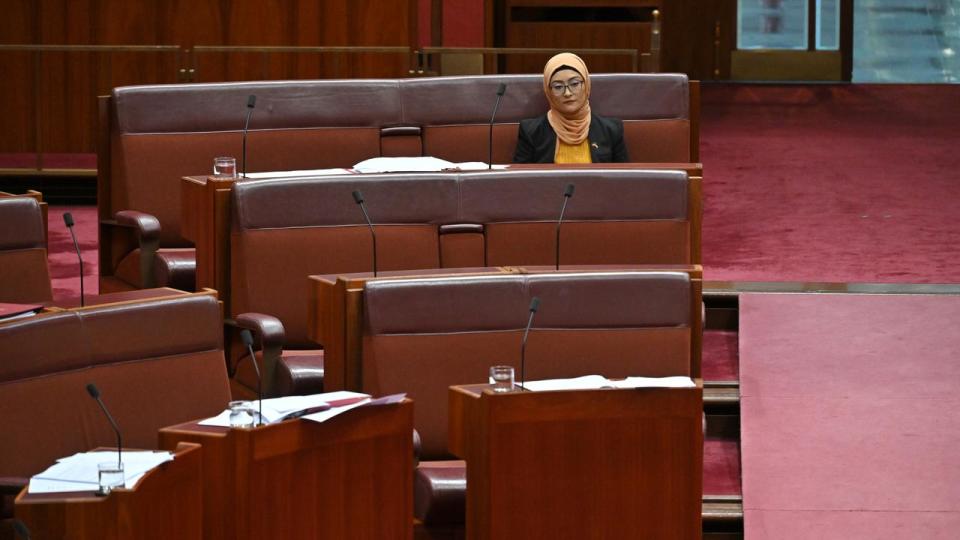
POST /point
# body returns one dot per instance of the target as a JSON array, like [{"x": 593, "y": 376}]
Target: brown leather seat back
[
  {"x": 162, "y": 133},
  {"x": 24, "y": 277},
  {"x": 614, "y": 217},
  {"x": 286, "y": 230},
  {"x": 423, "y": 335},
  {"x": 454, "y": 113},
  {"x": 156, "y": 363}
]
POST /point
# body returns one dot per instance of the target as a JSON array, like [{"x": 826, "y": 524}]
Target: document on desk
[
  {"x": 284, "y": 408},
  {"x": 323, "y": 416},
  {"x": 594, "y": 382},
  {"x": 417, "y": 164},
  {"x": 79, "y": 472},
  {"x": 297, "y": 174}
]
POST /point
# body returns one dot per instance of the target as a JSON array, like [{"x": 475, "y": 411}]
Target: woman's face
[{"x": 568, "y": 90}]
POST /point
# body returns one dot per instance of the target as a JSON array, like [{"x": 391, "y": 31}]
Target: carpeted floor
[
  {"x": 62, "y": 257},
  {"x": 831, "y": 183},
  {"x": 848, "y": 416}
]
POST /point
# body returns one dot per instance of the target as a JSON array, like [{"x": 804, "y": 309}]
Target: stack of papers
[
  {"x": 79, "y": 472},
  {"x": 9, "y": 312},
  {"x": 593, "y": 382},
  {"x": 317, "y": 407},
  {"x": 418, "y": 164}
]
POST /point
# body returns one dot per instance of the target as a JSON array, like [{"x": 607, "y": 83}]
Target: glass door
[{"x": 793, "y": 40}]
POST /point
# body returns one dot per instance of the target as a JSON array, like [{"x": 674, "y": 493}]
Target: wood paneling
[{"x": 66, "y": 83}]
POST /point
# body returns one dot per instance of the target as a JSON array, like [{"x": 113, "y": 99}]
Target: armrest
[
  {"x": 147, "y": 230},
  {"x": 268, "y": 336},
  {"x": 12, "y": 485}
]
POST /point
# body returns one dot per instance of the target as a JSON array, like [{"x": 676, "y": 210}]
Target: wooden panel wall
[{"x": 60, "y": 88}]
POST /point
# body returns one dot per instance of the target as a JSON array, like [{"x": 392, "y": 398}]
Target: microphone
[
  {"x": 358, "y": 198},
  {"x": 534, "y": 306},
  {"x": 21, "y": 529},
  {"x": 95, "y": 394},
  {"x": 247, "y": 338},
  {"x": 251, "y": 103},
  {"x": 68, "y": 221},
  {"x": 501, "y": 89},
  {"x": 567, "y": 193}
]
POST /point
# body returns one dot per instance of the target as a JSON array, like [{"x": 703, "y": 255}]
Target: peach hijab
[{"x": 571, "y": 128}]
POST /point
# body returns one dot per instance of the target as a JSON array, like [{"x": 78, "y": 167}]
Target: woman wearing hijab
[{"x": 569, "y": 133}]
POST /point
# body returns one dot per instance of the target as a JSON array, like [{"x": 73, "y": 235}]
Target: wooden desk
[
  {"x": 335, "y": 312},
  {"x": 349, "y": 477},
  {"x": 165, "y": 504},
  {"x": 580, "y": 464}
]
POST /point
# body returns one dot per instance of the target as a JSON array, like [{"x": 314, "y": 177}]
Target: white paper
[
  {"x": 79, "y": 472},
  {"x": 323, "y": 416},
  {"x": 275, "y": 409},
  {"x": 297, "y": 174},
  {"x": 403, "y": 164},
  {"x": 478, "y": 166},
  {"x": 593, "y": 382}
]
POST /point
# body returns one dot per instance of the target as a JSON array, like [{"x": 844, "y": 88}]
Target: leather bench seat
[
  {"x": 145, "y": 150},
  {"x": 421, "y": 336}
]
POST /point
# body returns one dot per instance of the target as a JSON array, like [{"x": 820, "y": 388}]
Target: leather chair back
[
  {"x": 156, "y": 363},
  {"x": 422, "y": 335},
  {"x": 24, "y": 276}
]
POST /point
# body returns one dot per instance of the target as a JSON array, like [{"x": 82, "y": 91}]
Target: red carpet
[
  {"x": 61, "y": 257},
  {"x": 849, "y": 424},
  {"x": 831, "y": 183}
]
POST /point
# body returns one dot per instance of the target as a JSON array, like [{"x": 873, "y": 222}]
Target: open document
[
  {"x": 79, "y": 472},
  {"x": 593, "y": 382},
  {"x": 315, "y": 407},
  {"x": 418, "y": 164}
]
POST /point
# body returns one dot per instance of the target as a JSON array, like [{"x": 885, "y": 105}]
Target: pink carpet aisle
[{"x": 849, "y": 424}]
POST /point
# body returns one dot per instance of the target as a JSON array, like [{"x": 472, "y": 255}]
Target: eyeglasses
[{"x": 574, "y": 85}]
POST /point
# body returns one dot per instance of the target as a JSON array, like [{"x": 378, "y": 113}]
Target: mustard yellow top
[{"x": 572, "y": 153}]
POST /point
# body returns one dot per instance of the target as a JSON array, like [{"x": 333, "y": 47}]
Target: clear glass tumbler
[{"x": 502, "y": 378}]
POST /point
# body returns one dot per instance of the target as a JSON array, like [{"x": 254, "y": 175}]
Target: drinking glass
[
  {"x": 110, "y": 476},
  {"x": 225, "y": 167},
  {"x": 502, "y": 377}
]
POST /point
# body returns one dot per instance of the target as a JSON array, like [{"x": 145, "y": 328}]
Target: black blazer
[{"x": 537, "y": 142}]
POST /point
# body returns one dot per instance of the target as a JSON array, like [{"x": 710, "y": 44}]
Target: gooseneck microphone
[
  {"x": 358, "y": 198},
  {"x": 534, "y": 306},
  {"x": 95, "y": 394},
  {"x": 251, "y": 103},
  {"x": 567, "y": 193},
  {"x": 21, "y": 529},
  {"x": 247, "y": 338},
  {"x": 68, "y": 221},
  {"x": 501, "y": 89}
]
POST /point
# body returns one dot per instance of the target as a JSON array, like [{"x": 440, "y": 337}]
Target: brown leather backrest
[
  {"x": 285, "y": 230},
  {"x": 24, "y": 277},
  {"x": 423, "y": 335},
  {"x": 454, "y": 113},
  {"x": 162, "y": 133},
  {"x": 156, "y": 363},
  {"x": 614, "y": 217}
]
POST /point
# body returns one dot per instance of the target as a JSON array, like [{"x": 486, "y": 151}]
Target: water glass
[
  {"x": 225, "y": 167},
  {"x": 502, "y": 378},
  {"x": 110, "y": 476},
  {"x": 242, "y": 414}
]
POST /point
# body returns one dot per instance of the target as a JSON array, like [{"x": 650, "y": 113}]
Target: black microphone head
[
  {"x": 68, "y": 219},
  {"x": 93, "y": 391},
  {"x": 251, "y": 101},
  {"x": 501, "y": 89},
  {"x": 568, "y": 192},
  {"x": 535, "y": 304},
  {"x": 247, "y": 337},
  {"x": 21, "y": 529},
  {"x": 357, "y": 197}
]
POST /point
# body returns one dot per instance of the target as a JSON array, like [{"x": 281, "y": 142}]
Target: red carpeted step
[
  {"x": 721, "y": 466},
  {"x": 720, "y": 360}
]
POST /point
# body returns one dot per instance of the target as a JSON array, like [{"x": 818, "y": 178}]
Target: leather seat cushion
[
  {"x": 173, "y": 267},
  {"x": 440, "y": 492}
]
